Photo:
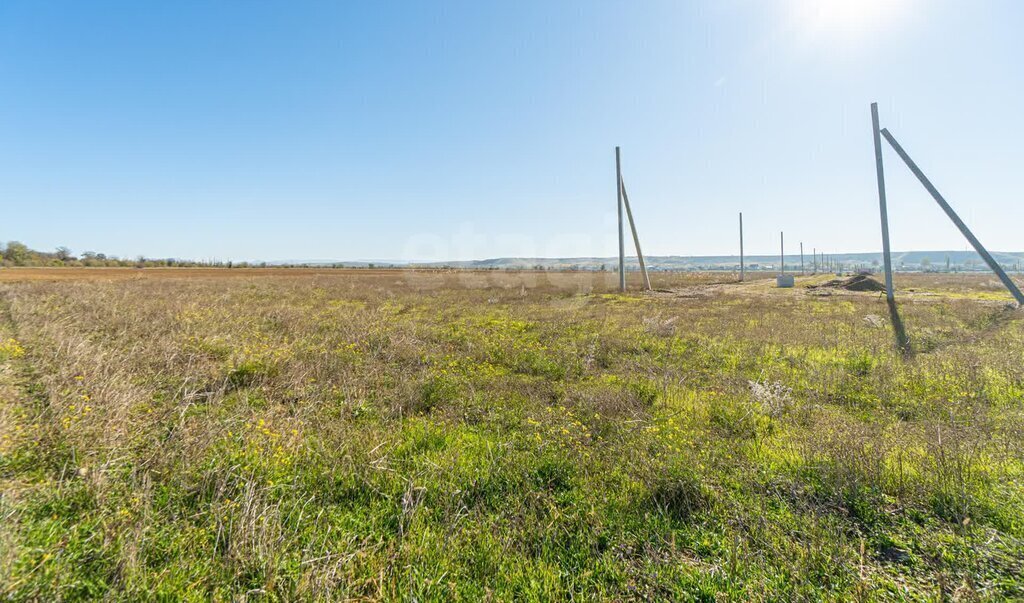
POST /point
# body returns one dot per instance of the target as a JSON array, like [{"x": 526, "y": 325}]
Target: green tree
[{"x": 17, "y": 253}]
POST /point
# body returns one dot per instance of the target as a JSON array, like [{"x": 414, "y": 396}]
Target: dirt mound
[{"x": 860, "y": 282}]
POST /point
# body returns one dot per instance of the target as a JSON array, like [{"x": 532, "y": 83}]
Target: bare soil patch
[{"x": 859, "y": 282}]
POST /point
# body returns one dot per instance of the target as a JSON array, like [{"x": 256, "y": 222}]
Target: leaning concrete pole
[
  {"x": 636, "y": 239},
  {"x": 622, "y": 243},
  {"x": 985, "y": 255},
  {"x": 883, "y": 211},
  {"x": 743, "y": 273}
]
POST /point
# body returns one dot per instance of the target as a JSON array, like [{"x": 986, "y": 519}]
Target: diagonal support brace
[
  {"x": 636, "y": 239},
  {"x": 985, "y": 255}
]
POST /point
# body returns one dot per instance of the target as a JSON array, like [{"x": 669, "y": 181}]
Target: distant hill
[
  {"x": 902, "y": 260},
  {"x": 14, "y": 253}
]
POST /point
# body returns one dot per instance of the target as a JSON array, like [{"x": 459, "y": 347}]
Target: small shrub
[{"x": 774, "y": 397}]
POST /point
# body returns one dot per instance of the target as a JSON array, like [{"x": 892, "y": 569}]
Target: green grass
[{"x": 361, "y": 438}]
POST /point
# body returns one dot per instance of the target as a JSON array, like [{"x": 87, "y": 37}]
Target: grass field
[{"x": 388, "y": 435}]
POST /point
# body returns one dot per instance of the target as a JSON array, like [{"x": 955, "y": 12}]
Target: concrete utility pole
[
  {"x": 742, "y": 268},
  {"x": 622, "y": 243},
  {"x": 883, "y": 211},
  {"x": 782, "y": 253},
  {"x": 814, "y": 254},
  {"x": 985, "y": 255},
  {"x": 636, "y": 239},
  {"x": 783, "y": 280},
  {"x": 801, "y": 257}
]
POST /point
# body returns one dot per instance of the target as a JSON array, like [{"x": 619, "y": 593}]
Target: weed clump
[
  {"x": 434, "y": 391},
  {"x": 679, "y": 495},
  {"x": 736, "y": 419},
  {"x": 11, "y": 349},
  {"x": 553, "y": 475},
  {"x": 248, "y": 374},
  {"x": 644, "y": 392}
]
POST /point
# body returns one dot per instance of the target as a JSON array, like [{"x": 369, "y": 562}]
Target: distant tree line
[{"x": 16, "y": 253}]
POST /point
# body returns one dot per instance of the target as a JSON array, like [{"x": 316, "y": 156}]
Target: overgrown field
[{"x": 399, "y": 436}]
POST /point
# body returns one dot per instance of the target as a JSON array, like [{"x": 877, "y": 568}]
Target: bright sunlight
[{"x": 847, "y": 21}]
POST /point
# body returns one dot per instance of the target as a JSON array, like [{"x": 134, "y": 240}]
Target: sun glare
[{"x": 846, "y": 21}]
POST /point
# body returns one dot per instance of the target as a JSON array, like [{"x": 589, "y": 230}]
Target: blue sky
[{"x": 460, "y": 130}]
